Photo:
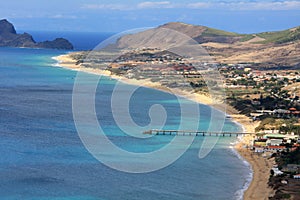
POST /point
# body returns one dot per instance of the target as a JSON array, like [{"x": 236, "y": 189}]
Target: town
[{"x": 265, "y": 94}]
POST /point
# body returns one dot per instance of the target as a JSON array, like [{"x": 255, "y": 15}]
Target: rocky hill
[
  {"x": 10, "y": 38},
  {"x": 281, "y": 48}
]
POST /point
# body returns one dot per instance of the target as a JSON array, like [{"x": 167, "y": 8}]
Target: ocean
[
  {"x": 43, "y": 157},
  {"x": 81, "y": 41}
]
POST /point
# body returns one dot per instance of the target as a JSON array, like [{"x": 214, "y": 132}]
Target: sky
[{"x": 242, "y": 16}]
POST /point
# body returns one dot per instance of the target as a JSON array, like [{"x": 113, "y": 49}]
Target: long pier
[{"x": 193, "y": 133}]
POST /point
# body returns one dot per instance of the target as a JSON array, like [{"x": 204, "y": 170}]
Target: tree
[{"x": 272, "y": 172}]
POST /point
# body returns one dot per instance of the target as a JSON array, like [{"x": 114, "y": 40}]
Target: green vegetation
[
  {"x": 280, "y": 195},
  {"x": 266, "y": 122},
  {"x": 277, "y": 37},
  {"x": 79, "y": 57},
  {"x": 284, "y": 125},
  {"x": 289, "y": 158},
  {"x": 280, "y": 37},
  {"x": 243, "y": 105},
  {"x": 290, "y": 128},
  {"x": 117, "y": 71},
  {"x": 247, "y": 37},
  {"x": 216, "y": 32}
]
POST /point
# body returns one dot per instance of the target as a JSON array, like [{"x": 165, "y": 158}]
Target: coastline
[{"x": 258, "y": 188}]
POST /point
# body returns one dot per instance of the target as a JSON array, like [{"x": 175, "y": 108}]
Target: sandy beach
[{"x": 258, "y": 189}]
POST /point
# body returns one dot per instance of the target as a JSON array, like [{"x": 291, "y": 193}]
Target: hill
[
  {"x": 281, "y": 37},
  {"x": 10, "y": 38},
  {"x": 280, "y": 48}
]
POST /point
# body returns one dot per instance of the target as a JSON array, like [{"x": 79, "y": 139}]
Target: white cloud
[
  {"x": 246, "y": 5},
  {"x": 106, "y": 7},
  {"x": 221, "y": 5},
  {"x": 61, "y": 16},
  {"x": 142, "y": 5},
  {"x": 279, "y": 5},
  {"x": 158, "y": 4},
  {"x": 199, "y": 5}
]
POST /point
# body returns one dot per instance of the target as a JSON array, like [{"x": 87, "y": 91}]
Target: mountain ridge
[
  {"x": 274, "y": 48},
  {"x": 206, "y": 31}
]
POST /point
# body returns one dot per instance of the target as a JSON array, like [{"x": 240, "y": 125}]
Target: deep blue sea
[{"x": 42, "y": 156}]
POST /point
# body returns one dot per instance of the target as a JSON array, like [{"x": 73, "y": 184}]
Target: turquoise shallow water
[{"x": 42, "y": 156}]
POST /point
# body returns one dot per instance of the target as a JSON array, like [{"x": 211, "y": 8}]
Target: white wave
[
  {"x": 57, "y": 64},
  {"x": 239, "y": 195}
]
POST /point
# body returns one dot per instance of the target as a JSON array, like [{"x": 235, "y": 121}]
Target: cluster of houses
[
  {"x": 280, "y": 74},
  {"x": 297, "y": 176},
  {"x": 290, "y": 168},
  {"x": 280, "y": 113},
  {"x": 275, "y": 142},
  {"x": 258, "y": 76}
]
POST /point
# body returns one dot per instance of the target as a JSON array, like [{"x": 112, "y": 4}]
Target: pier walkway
[{"x": 193, "y": 133}]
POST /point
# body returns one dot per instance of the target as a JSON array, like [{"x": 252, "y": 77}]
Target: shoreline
[{"x": 258, "y": 187}]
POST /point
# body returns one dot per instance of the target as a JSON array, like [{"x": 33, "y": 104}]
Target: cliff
[{"x": 10, "y": 38}]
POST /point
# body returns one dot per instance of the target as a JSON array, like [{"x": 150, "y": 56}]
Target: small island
[{"x": 10, "y": 38}]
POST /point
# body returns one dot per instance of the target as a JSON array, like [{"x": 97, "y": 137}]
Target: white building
[
  {"x": 259, "y": 150},
  {"x": 274, "y": 142},
  {"x": 277, "y": 172},
  {"x": 297, "y": 176}
]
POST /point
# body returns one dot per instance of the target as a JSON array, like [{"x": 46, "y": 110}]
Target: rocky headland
[{"x": 10, "y": 38}]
